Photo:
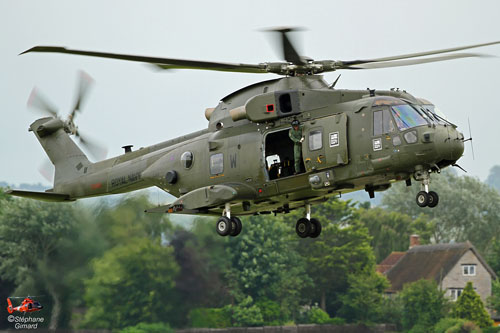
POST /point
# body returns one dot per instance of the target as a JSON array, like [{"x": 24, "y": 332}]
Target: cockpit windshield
[
  {"x": 440, "y": 115},
  {"x": 407, "y": 117}
]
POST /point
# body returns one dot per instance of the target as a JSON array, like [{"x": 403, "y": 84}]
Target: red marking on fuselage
[{"x": 96, "y": 186}]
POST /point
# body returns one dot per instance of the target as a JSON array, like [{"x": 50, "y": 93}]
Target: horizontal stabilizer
[{"x": 44, "y": 196}]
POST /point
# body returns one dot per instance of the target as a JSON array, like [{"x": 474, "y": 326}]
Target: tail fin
[
  {"x": 10, "y": 309},
  {"x": 69, "y": 161}
]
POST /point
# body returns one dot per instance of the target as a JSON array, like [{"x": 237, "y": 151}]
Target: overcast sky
[{"x": 132, "y": 104}]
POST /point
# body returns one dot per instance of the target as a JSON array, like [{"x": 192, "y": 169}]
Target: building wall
[{"x": 455, "y": 278}]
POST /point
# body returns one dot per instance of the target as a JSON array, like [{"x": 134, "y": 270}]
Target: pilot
[{"x": 295, "y": 135}]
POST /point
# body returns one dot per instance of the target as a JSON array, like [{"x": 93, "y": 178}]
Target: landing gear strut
[
  {"x": 227, "y": 225},
  {"x": 425, "y": 198},
  {"x": 307, "y": 226}
]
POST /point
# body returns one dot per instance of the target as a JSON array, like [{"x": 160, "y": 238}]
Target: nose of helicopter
[{"x": 449, "y": 143}]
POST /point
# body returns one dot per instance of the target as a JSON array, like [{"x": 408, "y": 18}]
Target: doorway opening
[{"x": 279, "y": 155}]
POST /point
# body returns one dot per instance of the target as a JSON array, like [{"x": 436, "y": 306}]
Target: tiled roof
[
  {"x": 390, "y": 261},
  {"x": 432, "y": 262}
]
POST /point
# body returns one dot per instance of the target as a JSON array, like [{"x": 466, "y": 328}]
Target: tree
[
  {"x": 340, "y": 251},
  {"x": 469, "y": 306},
  {"x": 391, "y": 230},
  {"x": 494, "y": 299},
  {"x": 134, "y": 282},
  {"x": 265, "y": 264},
  {"x": 41, "y": 251},
  {"x": 468, "y": 209},
  {"x": 423, "y": 304},
  {"x": 494, "y": 177},
  {"x": 363, "y": 300},
  {"x": 493, "y": 255}
]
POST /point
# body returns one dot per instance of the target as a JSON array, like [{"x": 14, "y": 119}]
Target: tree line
[{"x": 111, "y": 266}]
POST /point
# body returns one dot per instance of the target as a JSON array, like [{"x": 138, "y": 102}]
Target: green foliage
[
  {"x": 391, "y": 230},
  {"x": 318, "y": 316},
  {"x": 493, "y": 255},
  {"x": 469, "y": 306},
  {"x": 133, "y": 282},
  {"x": 363, "y": 300},
  {"x": 210, "y": 317},
  {"x": 494, "y": 299},
  {"x": 271, "y": 312},
  {"x": 148, "y": 328},
  {"x": 494, "y": 177},
  {"x": 246, "y": 313},
  {"x": 491, "y": 329},
  {"x": 423, "y": 304},
  {"x": 468, "y": 209},
  {"x": 451, "y": 325},
  {"x": 265, "y": 264}
]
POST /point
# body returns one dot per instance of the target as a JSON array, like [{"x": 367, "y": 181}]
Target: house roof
[
  {"x": 431, "y": 262},
  {"x": 390, "y": 261}
]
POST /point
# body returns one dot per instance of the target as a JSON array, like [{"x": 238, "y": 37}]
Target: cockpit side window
[
  {"x": 382, "y": 122},
  {"x": 407, "y": 117}
]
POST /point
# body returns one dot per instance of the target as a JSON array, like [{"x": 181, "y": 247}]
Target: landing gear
[
  {"x": 308, "y": 227},
  {"x": 425, "y": 198},
  {"x": 227, "y": 225}
]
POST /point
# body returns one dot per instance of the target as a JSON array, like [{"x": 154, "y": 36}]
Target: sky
[{"x": 132, "y": 104}]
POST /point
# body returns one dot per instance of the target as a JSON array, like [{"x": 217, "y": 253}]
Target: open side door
[{"x": 325, "y": 144}]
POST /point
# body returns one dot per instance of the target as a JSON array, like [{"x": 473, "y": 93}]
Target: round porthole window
[{"x": 187, "y": 159}]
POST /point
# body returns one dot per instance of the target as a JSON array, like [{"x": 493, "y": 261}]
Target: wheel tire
[
  {"x": 236, "y": 226},
  {"x": 433, "y": 199},
  {"x": 315, "y": 228},
  {"x": 223, "y": 226},
  {"x": 422, "y": 199},
  {"x": 303, "y": 227}
]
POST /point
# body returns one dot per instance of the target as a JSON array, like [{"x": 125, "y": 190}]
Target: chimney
[{"x": 414, "y": 241}]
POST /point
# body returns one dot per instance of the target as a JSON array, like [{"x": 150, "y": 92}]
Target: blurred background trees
[{"x": 109, "y": 265}]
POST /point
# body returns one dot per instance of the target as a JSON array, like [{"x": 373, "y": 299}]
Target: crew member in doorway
[{"x": 295, "y": 135}]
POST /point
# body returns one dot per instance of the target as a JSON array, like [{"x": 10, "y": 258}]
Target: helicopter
[
  {"x": 246, "y": 162},
  {"x": 27, "y": 305}
]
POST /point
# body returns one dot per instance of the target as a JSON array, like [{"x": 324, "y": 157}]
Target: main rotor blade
[
  {"x": 36, "y": 100},
  {"x": 85, "y": 81},
  {"x": 385, "y": 64},
  {"x": 166, "y": 63},
  {"x": 289, "y": 52},
  {"x": 415, "y": 55}
]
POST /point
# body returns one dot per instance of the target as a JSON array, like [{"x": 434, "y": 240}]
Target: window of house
[
  {"x": 315, "y": 140},
  {"x": 455, "y": 293},
  {"x": 469, "y": 270},
  {"x": 217, "y": 164}
]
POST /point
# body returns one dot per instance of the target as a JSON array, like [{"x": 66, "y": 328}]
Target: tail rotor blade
[
  {"x": 85, "y": 82},
  {"x": 37, "y": 101},
  {"x": 97, "y": 151},
  {"x": 47, "y": 170}
]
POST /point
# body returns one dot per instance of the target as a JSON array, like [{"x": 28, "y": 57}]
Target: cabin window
[
  {"x": 315, "y": 140},
  {"x": 217, "y": 164},
  {"x": 285, "y": 103},
  {"x": 382, "y": 122},
  {"x": 469, "y": 270},
  {"x": 187, "y": 159}
]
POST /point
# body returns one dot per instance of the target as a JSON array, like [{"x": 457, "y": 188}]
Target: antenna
[{"x": 470, "y": 139}]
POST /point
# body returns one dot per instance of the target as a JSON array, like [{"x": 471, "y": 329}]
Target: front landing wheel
[{"x": 433, "y": 199}]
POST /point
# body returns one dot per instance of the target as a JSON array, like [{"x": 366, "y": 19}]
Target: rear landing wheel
[
  {"x": 303, "y": 227},
  {"x": 223, "y": 226},
  {"x": 236, "y": 226},
  {"x": 315, "y": 228},
  {"x": 422, "y": 199},
  {"x": 433, "y": 199}
]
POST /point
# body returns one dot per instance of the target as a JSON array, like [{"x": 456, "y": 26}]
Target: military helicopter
[
  {"x": 349, "y": 140},
  {"x": 27, "y": 305}
]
